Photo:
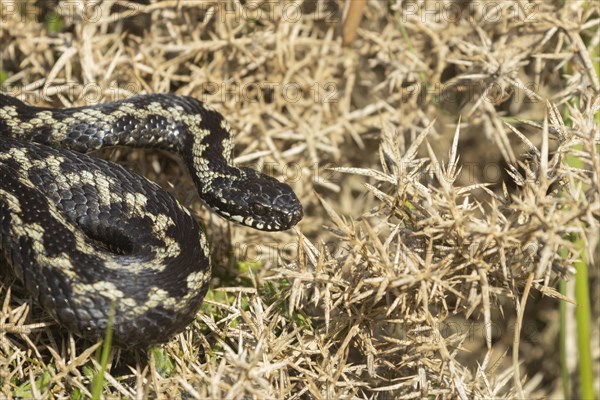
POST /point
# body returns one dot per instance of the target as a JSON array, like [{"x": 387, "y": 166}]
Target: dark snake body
[{"x": 85, "y": 235}]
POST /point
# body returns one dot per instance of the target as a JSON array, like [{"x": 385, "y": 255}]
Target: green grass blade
[
  {"x": 98, "y": 381},
  {"x": 583, "y": 315},
  {"x": 564, "y": 370}
]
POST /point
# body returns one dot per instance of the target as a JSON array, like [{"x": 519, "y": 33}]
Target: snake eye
[{"x": 258, "y": 209}]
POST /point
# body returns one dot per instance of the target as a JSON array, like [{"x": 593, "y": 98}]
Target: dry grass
[{"x": 431, "y": 157}]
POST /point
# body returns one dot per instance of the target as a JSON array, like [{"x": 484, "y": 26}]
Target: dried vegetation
[{"x": 445, "y": 160}]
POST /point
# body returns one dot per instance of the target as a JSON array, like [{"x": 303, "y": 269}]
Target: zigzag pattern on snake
[{"x": 85, "y": 235}]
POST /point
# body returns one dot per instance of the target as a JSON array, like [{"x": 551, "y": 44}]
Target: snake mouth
[
  {"x": 285, "y": 220},
  {"x": 279, "y": 221},
  {"x": 294, "y": 217}
]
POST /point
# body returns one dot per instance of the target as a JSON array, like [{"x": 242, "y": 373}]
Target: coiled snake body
[{"x": 85, "y": 235}]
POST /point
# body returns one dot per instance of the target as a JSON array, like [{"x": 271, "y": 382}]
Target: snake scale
[{"x": 86, "y": 235}]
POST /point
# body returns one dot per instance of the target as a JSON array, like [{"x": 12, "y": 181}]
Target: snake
[{"x": 99, "y": 247}]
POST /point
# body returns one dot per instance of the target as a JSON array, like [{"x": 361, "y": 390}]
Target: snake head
[{"x": 256, "y": 200}]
